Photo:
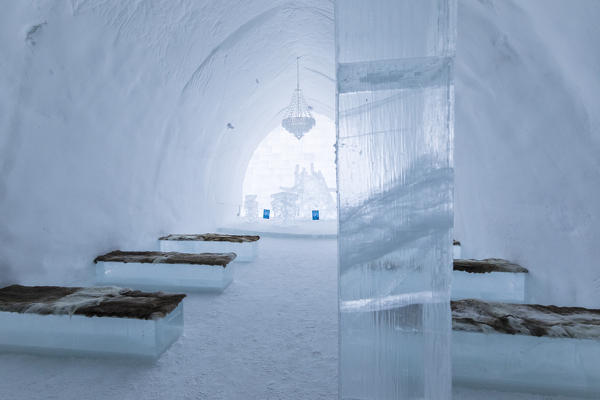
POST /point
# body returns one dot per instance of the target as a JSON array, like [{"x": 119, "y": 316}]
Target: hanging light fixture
[{"x": 299, "y": 120}]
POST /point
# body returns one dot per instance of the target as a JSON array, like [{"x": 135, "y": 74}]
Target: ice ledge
[
  {"x": 487, "y": 265},
  {"x": 90, "y": 302},
  {"x": 525, "y": 319},
  {"x": 213, "y": 237},
  {"x": 394, "y": 74},
  {"x": 157, "y": 257}
]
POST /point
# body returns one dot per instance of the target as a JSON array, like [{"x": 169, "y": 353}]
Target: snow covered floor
[{"x": 271, "y": 335}]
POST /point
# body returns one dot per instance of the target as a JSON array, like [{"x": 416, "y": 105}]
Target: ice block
[
  {"x": 526, "y": 347},
  {"x": 491, "y": 279},
  {"x": 456, "y": 250},
  {"x": 244, "y": 246},
  {"x": 166, "y": 271},
  {"x": 107, "y": 321}
]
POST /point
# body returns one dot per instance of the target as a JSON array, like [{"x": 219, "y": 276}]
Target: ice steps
[{"x": 491, "y": 279}]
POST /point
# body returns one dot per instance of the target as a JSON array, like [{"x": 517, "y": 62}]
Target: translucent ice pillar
[{"x": 395, "y": 181}]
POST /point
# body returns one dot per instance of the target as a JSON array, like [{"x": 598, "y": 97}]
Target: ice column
[{"x": 395, "y": 181}]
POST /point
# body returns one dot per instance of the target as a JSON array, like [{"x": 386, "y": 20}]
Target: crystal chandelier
[{"x": 299, "y": 120}]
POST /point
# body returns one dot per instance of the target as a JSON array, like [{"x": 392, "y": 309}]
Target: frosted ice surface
[
  {"x": 165, "y": 277},
  {"x": 456, "y": 250},
  {"x": 526, "y": 363},
  {"x": 394, "y": 74},
  {"x": 77, "y": 334},
  {"x": 245, "y": 252},
  {"x": 250, "y": 208},
  {"x": 506, "y": 287},
  {"x": 395, "y": 179}
]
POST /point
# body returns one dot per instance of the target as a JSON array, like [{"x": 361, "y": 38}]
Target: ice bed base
[
  {"x": 456, "y": 250},
  {"x": 82, "y": 335},
  {"x": 492, "y": 286},
  {"x": 492, "y": 279},
  {"x": 526, "y": 363},
  {"x": 526, "y": 347},
  {"x": 165, "y": 277}
]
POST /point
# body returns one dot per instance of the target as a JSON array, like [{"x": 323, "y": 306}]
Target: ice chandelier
[{"x": 299, "y": 120}]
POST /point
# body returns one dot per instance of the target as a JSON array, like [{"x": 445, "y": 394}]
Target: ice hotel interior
[{"x": 299, "y": 199}]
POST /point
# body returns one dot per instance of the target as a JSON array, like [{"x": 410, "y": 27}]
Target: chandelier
[{"x": 299, "y": 120}]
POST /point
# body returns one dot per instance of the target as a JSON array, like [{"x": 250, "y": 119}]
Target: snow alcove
[{"x": 432, "y": 122}]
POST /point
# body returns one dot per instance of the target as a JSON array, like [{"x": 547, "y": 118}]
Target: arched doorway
[{"x": 293, "y": 180}]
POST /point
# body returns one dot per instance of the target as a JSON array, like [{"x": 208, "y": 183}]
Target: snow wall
[
  {"x": 527, "y": 141},
  {"x": 114, "y": 114}
]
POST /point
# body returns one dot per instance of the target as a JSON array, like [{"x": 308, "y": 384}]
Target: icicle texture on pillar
[{"x": 395, "y": 178}]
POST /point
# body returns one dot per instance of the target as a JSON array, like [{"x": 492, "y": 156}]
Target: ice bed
[
  {"x": 108, "y": 321},
  {"x": 492, "y": 279},
  {"x": 526, "y": 347},
  {"x": 167, "y": 271},
  {"x": 244, "y": 246}
]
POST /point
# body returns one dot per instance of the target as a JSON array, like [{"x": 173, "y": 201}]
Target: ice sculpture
[
  {"x": 395, "y": 180},
  {"x": 285, "y": 206},
  {"x": 310, "y": 192},
  {"x": 244, "y": 246},
  {"x": 107, "y": 321},
  {"x": 165, "y": 271},
  {"x": 313, "y": 194},
  {"x": 250, "y": 208}
]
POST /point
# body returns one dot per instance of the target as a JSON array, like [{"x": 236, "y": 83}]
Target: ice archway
[{"x": 281, "y": 162}]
